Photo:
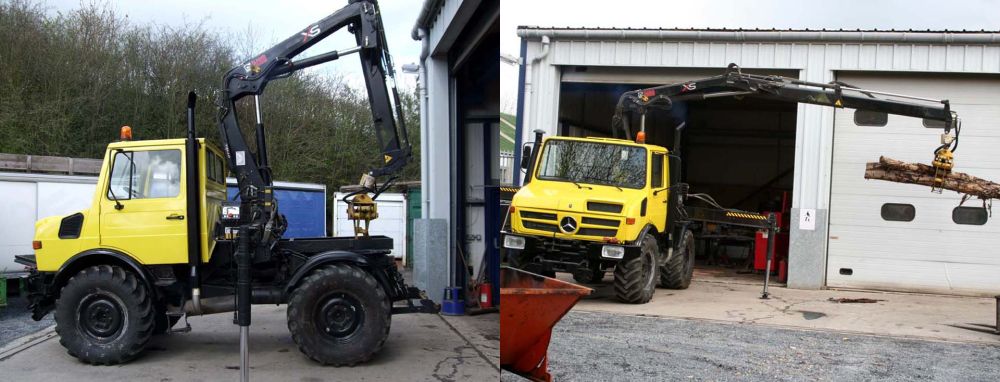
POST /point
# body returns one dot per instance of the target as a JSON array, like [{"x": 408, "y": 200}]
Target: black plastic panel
[{"x": 71, "y": 226}]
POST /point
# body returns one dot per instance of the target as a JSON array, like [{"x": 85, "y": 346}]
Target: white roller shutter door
[{"x": 931, "y": 253}]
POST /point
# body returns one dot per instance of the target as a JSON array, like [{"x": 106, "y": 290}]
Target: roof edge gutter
[
  {"x": 763, "y": 36},
  {"x": 427, "y": 14}
]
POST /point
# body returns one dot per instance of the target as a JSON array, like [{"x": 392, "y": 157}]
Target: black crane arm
[
  {"x": 362, "y": 18},
  {"x": 735, "y": 83}
]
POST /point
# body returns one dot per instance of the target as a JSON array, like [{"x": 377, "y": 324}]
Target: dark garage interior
[{"x": 741, "y": 151}]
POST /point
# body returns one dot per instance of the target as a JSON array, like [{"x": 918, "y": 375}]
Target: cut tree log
[{"x": 918, "y": 173}]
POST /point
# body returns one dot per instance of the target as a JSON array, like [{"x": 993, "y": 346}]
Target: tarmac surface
[
  {"x": 599, "y": 346},
  {"x": 16, "y": 322},
  {"x": 911, "y": 315},
  {"x": 420, "y": 347}
]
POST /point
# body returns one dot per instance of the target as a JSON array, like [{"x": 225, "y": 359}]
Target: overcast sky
[
  {"x": 849, "y": 14},
  {"x": 271, "y": 22}
]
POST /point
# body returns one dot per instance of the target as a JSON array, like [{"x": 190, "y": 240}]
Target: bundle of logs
[{"x": 917, "y": 173}]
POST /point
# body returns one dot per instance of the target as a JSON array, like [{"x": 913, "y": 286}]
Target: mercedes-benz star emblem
[{"x": 567, "y": 224}]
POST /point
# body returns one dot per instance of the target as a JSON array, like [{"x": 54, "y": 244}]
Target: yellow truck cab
[
  {"x": 589, "y": 204},
  {"x": 139, "y": 207}
]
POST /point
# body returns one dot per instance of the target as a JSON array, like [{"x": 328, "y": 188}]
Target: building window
[
  {"x": 870, "y": 118},
  {"x": 969, "y": 215},
  {"x": 896, "y": 212}
]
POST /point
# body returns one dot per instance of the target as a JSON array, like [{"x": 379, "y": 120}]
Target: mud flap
[{"x": 424, "y": 304}]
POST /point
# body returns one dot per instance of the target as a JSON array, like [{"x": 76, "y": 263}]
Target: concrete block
[
  {"x": 807, "y": 252},
  {"x": 431, "y": 257}
]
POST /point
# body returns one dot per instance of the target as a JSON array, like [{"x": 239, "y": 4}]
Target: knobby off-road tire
[
  {"x": 104, "y": 315},
  {"x": 339, "y": 315},
  {"x": 589, "y": 276},
  {"x": 676, "y": 273},
  {"x": 635, "y": 279}
]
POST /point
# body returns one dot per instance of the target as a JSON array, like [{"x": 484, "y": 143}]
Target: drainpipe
[
  {"x": 530, "y": 80},
  {"x": 424, "y": 126}
]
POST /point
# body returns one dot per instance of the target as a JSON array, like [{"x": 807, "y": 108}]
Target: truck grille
[
  {"x": 540, "y": 226},
  {"x": 549, "y": 222},
  {"x": 604, "y": 207},
  {"x": 604, "y": 222},
  {"x": 597, "y": 232},
  {"x": 537, "y": 215}
]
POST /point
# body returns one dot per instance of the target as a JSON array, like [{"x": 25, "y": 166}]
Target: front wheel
[
  {"x": 339, "y": 315},
  {"x": 104, "y": 315},
  {"x": 635, "y": 279}
]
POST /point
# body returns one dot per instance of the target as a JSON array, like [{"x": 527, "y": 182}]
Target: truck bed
[{"x": 370, "y": 244}]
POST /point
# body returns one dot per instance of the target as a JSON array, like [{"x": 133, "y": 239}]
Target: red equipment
[{"x": 532, "y": 305}]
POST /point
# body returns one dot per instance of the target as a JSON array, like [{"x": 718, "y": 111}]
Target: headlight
[
  {"x": 613, "y": 251},
  {"x": 513, "y": 242}
]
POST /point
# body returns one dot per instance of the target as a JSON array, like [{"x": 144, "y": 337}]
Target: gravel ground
[
  {"x": 16, "y": 322},
  {"x": 608, "y": 347}
]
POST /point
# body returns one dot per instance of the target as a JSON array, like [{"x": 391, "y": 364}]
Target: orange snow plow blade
[{"x": 530, "y": 306}]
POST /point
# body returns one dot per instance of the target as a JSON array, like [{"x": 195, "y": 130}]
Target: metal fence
[{"x": 507, "y": 167}]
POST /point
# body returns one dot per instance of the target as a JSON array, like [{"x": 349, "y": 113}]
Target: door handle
[{"x": 175, "y": 217}]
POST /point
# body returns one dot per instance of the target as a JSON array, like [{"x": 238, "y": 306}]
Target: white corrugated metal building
[{"x": 868, "y": 234}]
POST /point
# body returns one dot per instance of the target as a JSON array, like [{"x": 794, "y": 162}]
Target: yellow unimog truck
[
  {"x": 161, "y": 242},
  {"x": 592, "y": 204}
]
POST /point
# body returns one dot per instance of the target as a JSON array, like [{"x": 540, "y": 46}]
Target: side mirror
[{"x": 525, "y": 157}]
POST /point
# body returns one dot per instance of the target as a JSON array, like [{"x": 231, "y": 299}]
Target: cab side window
[
  {"x": 145, "y": 175},
  {"x": 657, "y": 171},
  {"x": 216, "y": 170}
]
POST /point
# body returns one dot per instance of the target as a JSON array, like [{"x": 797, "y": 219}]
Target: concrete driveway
[
  {"x": 922, "y": 316},
  {"x": 421, "y": 347}
]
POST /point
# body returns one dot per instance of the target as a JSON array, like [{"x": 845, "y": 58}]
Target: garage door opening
[{"x": 739, "y": 151}]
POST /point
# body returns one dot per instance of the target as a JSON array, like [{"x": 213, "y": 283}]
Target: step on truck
[
  {"x": 589, "y": 205},
  {"x": 161, "y": 242}
]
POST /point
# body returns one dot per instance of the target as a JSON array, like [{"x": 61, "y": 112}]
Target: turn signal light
[
  {"x": 511, "y": 209},
  {"x": 640, "y": 137},
  {"x": 630, "y": 221},
  {"x": 36, "y": 244},
  {"x": 126, "y": 134}
]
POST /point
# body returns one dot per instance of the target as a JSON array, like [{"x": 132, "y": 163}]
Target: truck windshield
[{"x": 594, "y": 163}]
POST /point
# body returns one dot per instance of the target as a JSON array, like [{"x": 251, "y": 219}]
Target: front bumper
[
  {"x": 37, "y": 285},
  {"x": 546, "y": 254}
]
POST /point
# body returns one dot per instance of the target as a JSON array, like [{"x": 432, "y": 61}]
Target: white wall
[
  {"x": 391, "y": 220},
  {"x": 29, "y": 197}
]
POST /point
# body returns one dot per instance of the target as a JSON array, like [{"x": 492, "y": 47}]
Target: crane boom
[
  {"x": 735, "y": 83},
  {"x": 363, "y": 20}
]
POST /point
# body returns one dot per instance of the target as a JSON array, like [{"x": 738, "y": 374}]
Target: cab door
[
  {"x": 656, "y": 208},
  {"x": 142, "y": 211}
]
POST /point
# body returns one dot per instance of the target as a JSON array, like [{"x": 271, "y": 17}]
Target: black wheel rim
[
  {"x": 101, "y": 317},
  {"x": 339, "y": 316}
]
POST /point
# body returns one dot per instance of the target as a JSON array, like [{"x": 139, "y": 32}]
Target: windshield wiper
[{"x": 603, "y": 184}]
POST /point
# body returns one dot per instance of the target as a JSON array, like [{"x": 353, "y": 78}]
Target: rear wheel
[
  {"x": 635, "y": 279},
  {"x": 104, "y": 315},
  {"x": 339, "y": 315},
  {"x": 678, "y": 270}
]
